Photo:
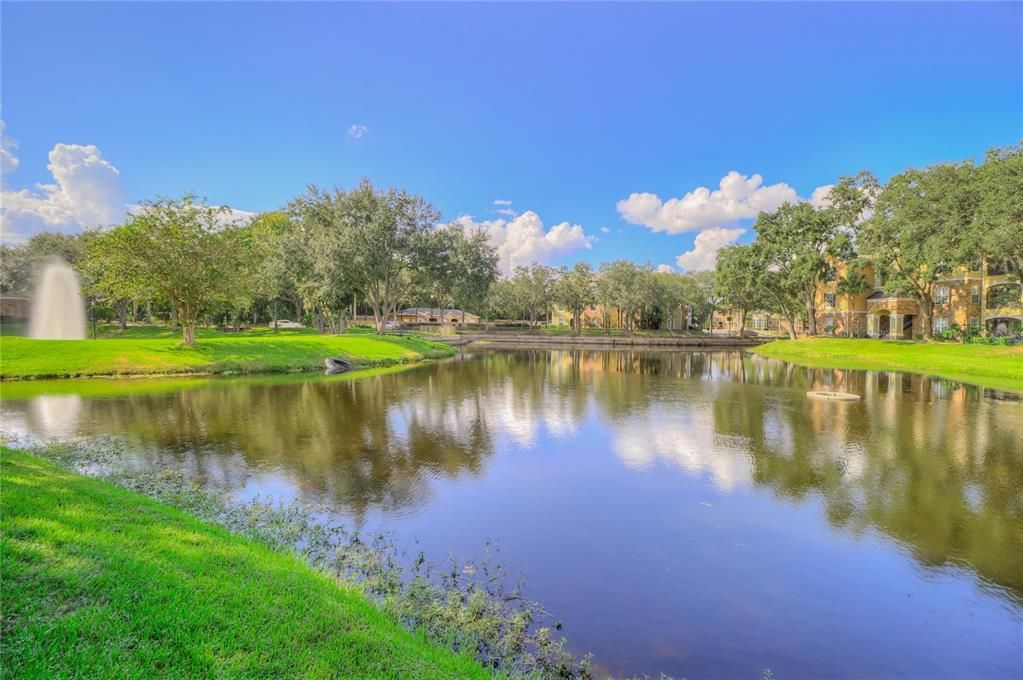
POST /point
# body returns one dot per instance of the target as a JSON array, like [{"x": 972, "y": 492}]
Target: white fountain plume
[{"x": 58, "y": 312}]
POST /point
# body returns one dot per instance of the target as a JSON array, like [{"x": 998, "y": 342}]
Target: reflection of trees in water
[
  {"x": 936, "y": 465},
  {"x": 930, "y": 463}
]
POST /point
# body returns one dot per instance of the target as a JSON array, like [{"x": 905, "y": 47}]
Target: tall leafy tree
[
  {"x": 627, "y": 286},
  {"x": 574, "y": 290},
  {"x": 920, "y": 230},
  {"x": 476, "y": 270},
  {"x": 532, "y": 288},
  {"x": 380, "y": 242},
  {"x": 739, "y": 279},
  {"x": 705, "y": 297},
  {"x": 178, "y": 249},
  {"x": 282, "y": 261},
  {"x": 998, "y": 227},
  {"x": 673, "y": 294},
  {"x": 798, "y": 241}
]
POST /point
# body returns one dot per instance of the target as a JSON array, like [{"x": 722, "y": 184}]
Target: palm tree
[{"x": 853, "y": 283}]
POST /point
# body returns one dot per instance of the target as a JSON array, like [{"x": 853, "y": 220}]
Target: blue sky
[{"x": 563, "y": 109}]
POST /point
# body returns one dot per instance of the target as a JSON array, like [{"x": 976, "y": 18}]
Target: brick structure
[{"x": 15, "y": 309}]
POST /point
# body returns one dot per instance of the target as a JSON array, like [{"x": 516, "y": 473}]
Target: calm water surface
[{"x": 691, "y": 513}]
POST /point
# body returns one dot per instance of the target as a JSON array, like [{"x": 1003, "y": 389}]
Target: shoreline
[
  {"x": 540, "y": 340},
  {"x": 992, "y": 366},
  {"x": 111, "y": 577},
  {"x": 23, "y": 359}
]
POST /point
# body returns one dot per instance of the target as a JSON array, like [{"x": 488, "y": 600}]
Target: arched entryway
[
  {"x": 884, "y": 325},
  {"x": 1003, "y": 325}
]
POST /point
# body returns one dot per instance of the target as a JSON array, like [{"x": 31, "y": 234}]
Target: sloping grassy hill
[
  {"x": 999, "y": 367},
  {"x": 213, "y": 353},
  {"x": 102, "y": 582}
]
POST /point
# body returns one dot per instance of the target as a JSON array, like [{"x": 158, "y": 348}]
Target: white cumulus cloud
[
  {"x": 708, "y": 242},
  {"x": 8, "y": 161},
  {"x": 665, "y": 269},
  {"x": 821, "y": 196},
  {"x": 502, "y": 201},
  {"x": 738, "y": 197},
  {"x": 87, "y": 191},
  {"x": 524, "y": 240},
  {"x": 357, "y": 131}
]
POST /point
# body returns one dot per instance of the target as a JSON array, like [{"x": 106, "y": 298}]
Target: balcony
[{"x": 1003, "y": 296}]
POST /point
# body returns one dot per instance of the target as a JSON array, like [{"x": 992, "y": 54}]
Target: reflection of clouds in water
[
  {"x": 504, "y": 408},
  {"x": 853, "y": 458},
  {"x": 56, "y": 415},
  {"x": 685, "y": 439},
  {"x": 778, "y": 433}
]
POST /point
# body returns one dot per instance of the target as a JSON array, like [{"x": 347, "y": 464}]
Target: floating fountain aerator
[
  {"x": 58, "y": 312},
  {"x": 833, "y": 396}
]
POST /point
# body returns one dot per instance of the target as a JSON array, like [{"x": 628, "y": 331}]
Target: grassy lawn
[
  {"x": 1000, "y": 367},
  {"x": 102, "y": 582},
  {"x": 149, "y": 350}
]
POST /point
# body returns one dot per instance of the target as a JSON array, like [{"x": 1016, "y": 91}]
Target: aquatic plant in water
[{"x": 470, "y": 606}]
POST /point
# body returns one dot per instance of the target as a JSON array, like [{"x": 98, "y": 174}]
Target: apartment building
[{"x": 987, "y": 295}]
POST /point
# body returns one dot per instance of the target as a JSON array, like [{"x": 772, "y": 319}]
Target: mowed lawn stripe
[
  {"x": 28, "y": 358},
  {"x": 101, "y": 582}
]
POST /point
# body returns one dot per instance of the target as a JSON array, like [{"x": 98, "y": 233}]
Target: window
[
  {"x": 975, "y": 295},
  {"x": 974, "y": 321},
  {"x": 940, "y": 324},
  {"x": 829, "y": 299},
  {"x": 941, "y": 295},
  {"x": 758, "y": 323}
]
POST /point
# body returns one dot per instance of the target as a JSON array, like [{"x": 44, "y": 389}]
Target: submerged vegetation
[{"x": 473, "y": 608}]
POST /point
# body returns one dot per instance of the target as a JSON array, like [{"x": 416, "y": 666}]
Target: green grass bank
[
  {"x": 155, "y": 351},
  {"x": 993, "y": 366},
  {"x": 101, "y": 582}
]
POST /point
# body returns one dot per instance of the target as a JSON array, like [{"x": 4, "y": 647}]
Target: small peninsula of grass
[
  {"x": 152, "y": 351},
  {"x": 101, "y": 582},
  {"x": 993, "y": 366}
]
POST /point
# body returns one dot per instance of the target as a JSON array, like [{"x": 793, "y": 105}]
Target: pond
[{"x": 692, "y": 513}]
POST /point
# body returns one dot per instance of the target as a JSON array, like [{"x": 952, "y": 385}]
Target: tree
[
  {"x": 853, "y": 283},
  {"x": 476, "y": 269},
  {"x": 179, "y": 249},
  {"x": 380, "y": 243},
  {"x": 20, "y": 264},
  {"x": 500, "y": 300},
  {"x": 532, "y": 287},
  {"x": 467, "y": 267},
  {"x": 574, "y": 290},
  {"x": 705, "y": 298},
  {"x": 673, "y": 292},
  {"x": 798, "y": 243},
  {"x": 739, "y": 280},
  {"x": 920, "y": 230},
  {"x": 998, "y": 227},
  {"x": 282, "y": 261},
  {"x": 628, "y": 287}
]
